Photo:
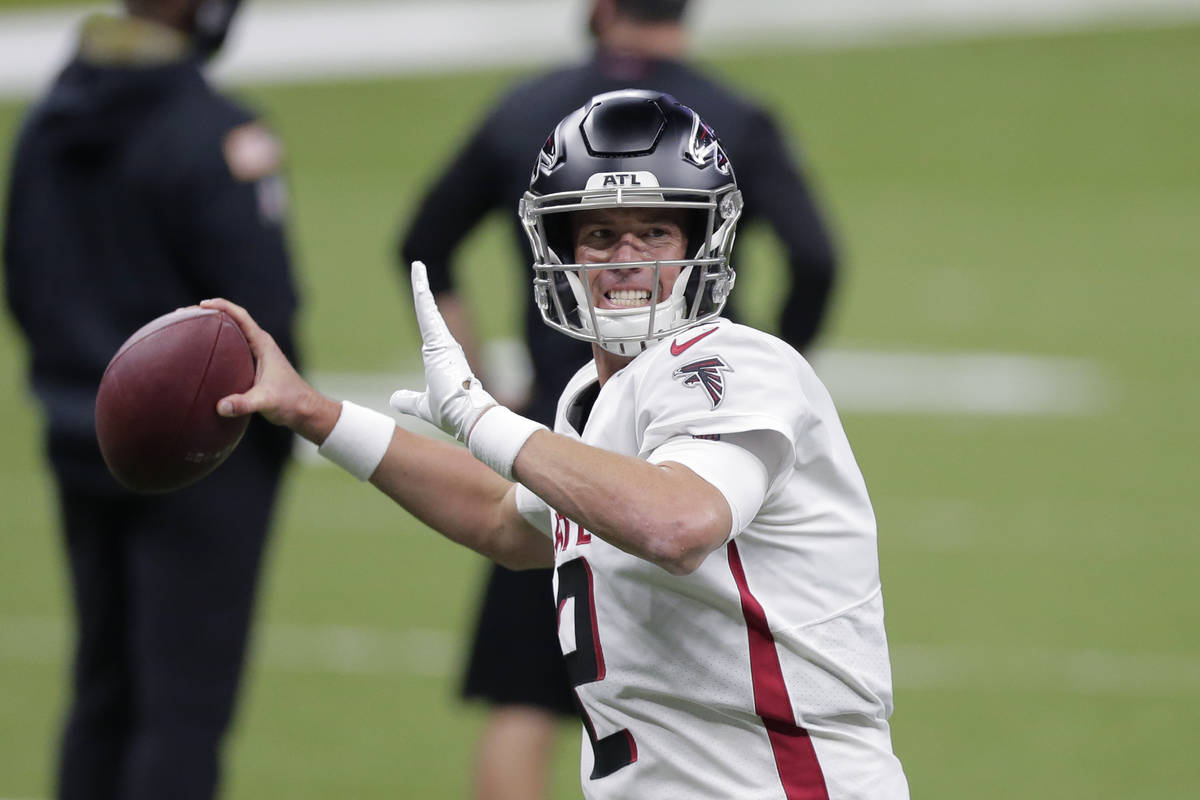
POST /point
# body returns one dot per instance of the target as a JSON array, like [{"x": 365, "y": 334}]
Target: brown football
[{"x": 156, "y": 410}]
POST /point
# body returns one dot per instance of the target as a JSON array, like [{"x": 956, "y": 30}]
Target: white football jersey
[{"x": 763, "y": 675}]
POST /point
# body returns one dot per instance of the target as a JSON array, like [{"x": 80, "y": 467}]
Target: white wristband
[
  {"x": 498, "y": 436},
  {"x": 358, "y": 440}
]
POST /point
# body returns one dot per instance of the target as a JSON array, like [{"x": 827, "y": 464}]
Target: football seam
[
  {"x": 128, "y": 345},
  {"x": 203, "y": 374}
]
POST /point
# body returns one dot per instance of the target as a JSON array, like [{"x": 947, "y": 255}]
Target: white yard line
[
  {"x": 298, "y": 41},
  {"x": 860, "y": 381},
  {"x": 353, "y": 651},
  {"x": 977, "y": 384},
  {"x": 1087, "y": 672}
]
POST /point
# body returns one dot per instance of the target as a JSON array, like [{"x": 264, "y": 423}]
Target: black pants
[
  {"x": 164, "y": 592},
  {"x": 515, "y": 656}
]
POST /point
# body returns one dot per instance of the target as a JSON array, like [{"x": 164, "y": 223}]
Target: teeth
[{"x": 629, "y": 297}]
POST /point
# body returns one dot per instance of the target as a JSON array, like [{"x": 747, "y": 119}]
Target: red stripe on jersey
[{"x": 799, "y": 771}]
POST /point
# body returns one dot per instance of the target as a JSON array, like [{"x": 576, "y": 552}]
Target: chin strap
[{"x": 629, "y": 348}]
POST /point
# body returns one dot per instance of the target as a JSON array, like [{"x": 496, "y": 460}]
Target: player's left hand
[{"x": 453, "y": 399}]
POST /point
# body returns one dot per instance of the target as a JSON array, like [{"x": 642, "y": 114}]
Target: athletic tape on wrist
[
  {"x": 498, "y": 436},
  {"x": 358, "y": 440}
]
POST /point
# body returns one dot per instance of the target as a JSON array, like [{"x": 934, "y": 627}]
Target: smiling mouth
[{"x": 627, "y": 298}]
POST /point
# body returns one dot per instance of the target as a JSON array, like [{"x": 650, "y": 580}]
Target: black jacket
[
  {"x": 492, "y": 172},
  {"x": 122, "y": 207}
]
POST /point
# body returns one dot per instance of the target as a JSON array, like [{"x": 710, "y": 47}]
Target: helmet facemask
[{"x": 562, "y": 289}]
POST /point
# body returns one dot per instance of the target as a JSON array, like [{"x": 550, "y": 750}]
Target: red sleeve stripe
[{"x": 799, "y": 771}]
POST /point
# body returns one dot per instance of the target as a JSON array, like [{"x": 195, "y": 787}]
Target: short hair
[{"x": 652, "y": 10}]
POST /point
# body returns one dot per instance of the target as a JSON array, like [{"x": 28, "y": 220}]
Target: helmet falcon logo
[
  {"x": 549, "y": 157},
  {"x": 706, "y": 373},
  {"x": 704, "y": 146}
]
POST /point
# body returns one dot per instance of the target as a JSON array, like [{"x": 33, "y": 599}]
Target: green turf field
[{"x": 1028, "y": 195}]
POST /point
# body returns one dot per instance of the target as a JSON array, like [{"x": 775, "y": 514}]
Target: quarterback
[{"x": 716, "y": 569}]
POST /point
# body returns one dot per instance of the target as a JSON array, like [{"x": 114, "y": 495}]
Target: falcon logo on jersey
[{"x": 706, "y": 373}]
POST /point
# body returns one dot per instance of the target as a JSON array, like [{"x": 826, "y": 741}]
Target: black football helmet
[{"x": 631, "y": 148}]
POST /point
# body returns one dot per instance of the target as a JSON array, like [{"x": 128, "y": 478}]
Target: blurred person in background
[
  {"x": 515, "y": 665},
  {"x": 136, "y": 189}
]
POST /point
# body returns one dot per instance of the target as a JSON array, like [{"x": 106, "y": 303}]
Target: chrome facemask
[{"x": 562, "y": 289}]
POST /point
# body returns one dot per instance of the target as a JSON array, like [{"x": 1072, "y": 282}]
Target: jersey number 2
[{"x": 585, "y": 664}]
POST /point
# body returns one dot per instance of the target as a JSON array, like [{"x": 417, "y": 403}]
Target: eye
[
  {"x": 661, "y": 233},
  {"x": 593, "y": 236}
]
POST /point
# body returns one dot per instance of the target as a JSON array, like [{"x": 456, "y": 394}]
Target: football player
[
  {"x": 716, "y": 569},
  {"x": 636, "y": 44}
]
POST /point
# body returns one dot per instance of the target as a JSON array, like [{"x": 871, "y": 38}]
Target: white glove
[{"x": 453, "y": 399}]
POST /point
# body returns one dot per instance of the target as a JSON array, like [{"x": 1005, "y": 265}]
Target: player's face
[{"x": 612, "y": 235}]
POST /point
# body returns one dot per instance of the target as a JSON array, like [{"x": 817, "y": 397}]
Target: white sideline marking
[
  {"x": 359, "y": 651},
  {"x": 860, "y": 381},
  {"x": 296, "y": 41},
  {"x": 989, "y": 384},
  {"x": 344, "y": 650},
  {"x": 336, "y": 649},
  {"x": 1086, "y": 672}
]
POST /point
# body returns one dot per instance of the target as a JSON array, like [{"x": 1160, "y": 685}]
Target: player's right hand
[
  {"x": 278, "y": 393},
  {"x": 453, "y": 399}
]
